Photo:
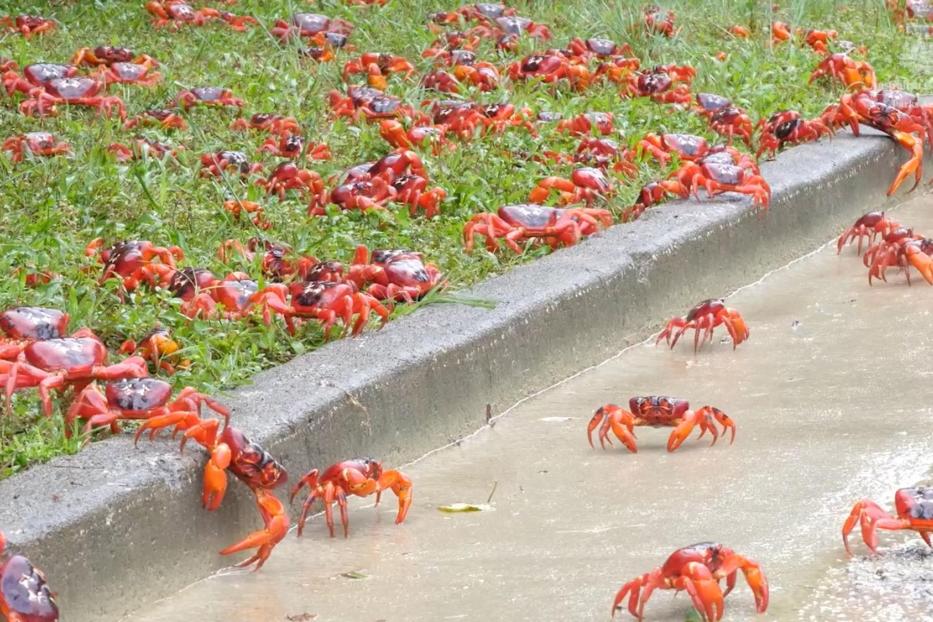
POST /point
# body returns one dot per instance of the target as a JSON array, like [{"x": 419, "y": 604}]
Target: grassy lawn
[{"x": 51, "y": 208}]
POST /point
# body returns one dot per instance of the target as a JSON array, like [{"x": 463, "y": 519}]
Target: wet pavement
[{"x": 831, "y": 403}]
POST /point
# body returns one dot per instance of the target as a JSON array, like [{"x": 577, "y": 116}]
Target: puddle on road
[{"x": 830, "y": 401}]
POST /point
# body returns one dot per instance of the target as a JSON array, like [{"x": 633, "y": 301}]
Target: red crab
[
  {"x": 371, "y": 103},
  {"x": 394, "y": 133},
  {"x": 863, "y": 107},
  {"x": 596, "y": 47},
  {"x": 723, "y": 170},
  {"x": 377, "y": 66},
  {"x": 550, "y": 67},
  {"x": 553, "y": 225},
  {"x": 207, "y": 96},
  {"x": 657, "y": 411},
  {"x": 725, "y": 118},
  {"x": 697, "y": 569},
  {"x": 740, "y": 31},
  {"x": 507, "y": 29},
  {"x": 35, "y": 75},
  {"x": 286, "y": 176},
  {"x": 659, "y": 21},
  {"x": 25, "y": 595},
  {"x": 108, "y": 55},
  {"x": 141, "y": 74},
  {"x": 175, "y": 13},
  {"x": 291, "y": 146},
  {"x": 600, "y": 153},
  {"x": 870, "y": 226},
  {"x": 236, "y": 207},
  {"x": 780, "y": 32},
  {"x": 158, "y": 347},
  {"x": 130, "y": 260},
  {"x": 234, "y": 293},
  {"x": 481, "y": 74},
  {"x": 27, "y": 25},
  {"x": 585, "y": 124},
  {"x": 268, "y": 122},
  {"x": 42, "y": 144},
  {"x": 141, "y": 148},
  {"x": 787, "y": 127},
  {"x": 78, "y": 91},
  {"x": 414, "y": 191},
  {"x": 853, "y": 74},
  {"x": 461, "y": 118},
  {"x": 704, "y": 317},
  {"x": 901, "y": 249},
  {"x": 586, "y": 184},
  {"x": 914, "y": 507},
  {"x": 361, "y": 477},
  {"x": 278, "y": 261},
  {"x": 362, "y": 194},
  {"x": 164, "y": 118},
  {"x": 909, "y": 104},
  {"x": 136, "y": 398},
  {"x": 393, "y": 274},
  {"x": 24, "y": 325},
  {"x": 62, "y": 362},
  {"x": 818, "y": 40},
  {"x": 685, "y": 146},
  {"x": 324, "y": 301},
  {"x": 309, "y": 25},
  {"x": 215, "y": 164},
  {"x": 230, "y": 450},
  {"x": 666, "y": 84}
]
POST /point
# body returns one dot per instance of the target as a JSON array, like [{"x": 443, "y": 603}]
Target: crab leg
[
  {"x": 753, "y": 576},
  {"x": 914, "y": 165},
  {"x": 703, "y": 589},
  {"x": 632, "y": 589},
  {"x": 276, "y": 528},
  {"x": 871, "y": 518}
]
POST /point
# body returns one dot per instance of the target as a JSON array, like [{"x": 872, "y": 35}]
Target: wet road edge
[{"x": 117, "y": 527}]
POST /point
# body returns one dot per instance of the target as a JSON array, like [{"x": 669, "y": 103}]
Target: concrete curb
[{"x": 117, "y": 527}]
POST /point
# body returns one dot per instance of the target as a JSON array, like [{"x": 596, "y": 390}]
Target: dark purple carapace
[
  {"x": 208, "y": 93},
  {"x": 73, "y": 88},
  {"x": 25, "y": 591},
  {"x": 66, "y": 354},
  {"x": 252, "y": 464},
  {"x": 713, "y": 305},
  {"x": 43, "y": 73},
  {"x": 138, "y": 394},
  {"x": 310, "y": 23},
  {"x": 918, "y": 502},
  {"x": 529, "y": 215},
  {"x": 188, "y": 282},
  {"x": 34, "y": 323},
  {"x": 658, "y": 410},
  {"x": 711, "y": 103}
]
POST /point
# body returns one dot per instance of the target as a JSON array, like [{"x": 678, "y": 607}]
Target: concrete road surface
[{"x": 831, "y": 397}]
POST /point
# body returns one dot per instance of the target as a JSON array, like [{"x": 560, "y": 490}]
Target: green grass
[{"x": 50, "y": 208}]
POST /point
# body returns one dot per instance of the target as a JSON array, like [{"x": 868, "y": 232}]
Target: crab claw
[
  {"x": 276, "y": 524},
  {"x": 401, "y": 486},
  {"x": 921, "y": 261},
  {"x": 703, "y": 590}
]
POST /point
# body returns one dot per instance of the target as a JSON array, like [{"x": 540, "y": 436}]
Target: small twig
[{"x": 495, "y": 484}]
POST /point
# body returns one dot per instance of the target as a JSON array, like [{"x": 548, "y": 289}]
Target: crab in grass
[
  {"x": 238, "y": 207},
  {"x": 507, "y": 30},
  {"x": 291, "y": 146},
  {"x": 231, "y": 450},
  {"x": 135, "y": 399},
  {"x": 108, "y": 55},
  {"x": 309, "y": 25},
  {"x": 161, "y": 117},
  {"x": 25, "y": 595},
  {"x": 360, "y": 194},
  {"x": 39, "y": 144},
  {"x": 599, "y": 48},
  {"x": 554, "y": 226},
  {"x": 864, "y": 107},
  {"x": 393, "y": 274},
  {"x": 586, "y": 184},
  {"x": 268, "y": 122},
  {"x": 665, "y": 84},
  {"x": 368, "y": 103},
  {"x": 130, "y": 261},
  {"x": 176, "y": 13},
  {"x": 158, "y": 347},
  {"x": 63, "y": 362},
  {"x": 852, "y": 73},
  {"x": 377, "y": 66},
  {"x": 659, "y": 21},
  {"x": 698, "y": 570},
  {"x": 819, "y": 40},
  {"x": 868, "y": 226},
  {"x": 27, "y": 25},
  {"x": 588, "y": 123},
  {"x": 724, "y": 117},
  {"x": 657, "y": 411},
  {"x": 35, "y": 75},
  {"x": 207, "y": 96},
  {"x": 77, "y": 91},
  {"x": 141, "y": 74},
  {"x": 216, "y": 164},
  {"x": 22, "y": 326},
  {"x": 550, "y": 67},
  {"x": 481, "y": 74},
  {"x": 287, "y": 176},
  {"x": 324, "y": 301},
  {"x": 361, "y": 477},
  {"x": 141, "y": 148},
  {"x": 901, "y": 249},
  {"x": 703, "y": 318},
  {"x": 663, "y": 147},
  {"x": 278, "y": 261},
  {"x": 788, "y": 127},
  {"x": 914, "y": 508},
  {"x": 230, "y": 298},
  {"x": 780, "y": 32},
  {"x": 394, "y": 133}
]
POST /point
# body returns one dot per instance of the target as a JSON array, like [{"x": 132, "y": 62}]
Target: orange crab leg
[
  {"x": 276, "y": 528},
  {"x": 703, "y": 589},
  {"x": 914, "y": 165},
  {"x": 871, "y": 518},
  {"x": 753, "y": 576}
]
